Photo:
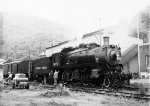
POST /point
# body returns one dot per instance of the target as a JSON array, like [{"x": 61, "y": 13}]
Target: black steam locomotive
[{"x": 87, "y": 64}]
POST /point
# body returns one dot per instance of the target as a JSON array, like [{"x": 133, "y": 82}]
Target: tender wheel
[{"x": 106, "y": 82}]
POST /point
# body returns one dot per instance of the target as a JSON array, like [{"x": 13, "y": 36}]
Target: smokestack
[{"x": 106, "y": 40}]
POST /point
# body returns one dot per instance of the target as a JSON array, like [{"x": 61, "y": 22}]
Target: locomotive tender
[{"x": 86, "y": 64}]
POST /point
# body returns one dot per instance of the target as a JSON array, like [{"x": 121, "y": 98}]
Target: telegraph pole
[
  {"x": 138, "y": 42},
  {"x": 100, "y": 31}
]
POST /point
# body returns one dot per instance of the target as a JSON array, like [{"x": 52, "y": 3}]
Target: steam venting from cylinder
[{"x": 106, "y": 40}]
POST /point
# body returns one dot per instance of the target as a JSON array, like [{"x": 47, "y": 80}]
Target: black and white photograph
[{"x": 74, "y": 52}]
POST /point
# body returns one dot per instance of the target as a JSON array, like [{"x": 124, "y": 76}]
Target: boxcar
[
  {"x": 10, "y": 67},
  {"x": 24, "y": 67},
  {"x": 14, "y": 67},
  {"x": 5, "y": 70}
]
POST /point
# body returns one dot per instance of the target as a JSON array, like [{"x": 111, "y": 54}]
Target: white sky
[{"x": 79, "y": 15}]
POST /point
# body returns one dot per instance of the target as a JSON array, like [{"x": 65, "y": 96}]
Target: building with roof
[
  {"x": 144, "y": 57},
  {"x": 57, "y": 48}
]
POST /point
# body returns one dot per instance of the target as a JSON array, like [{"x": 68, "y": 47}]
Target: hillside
[{"x": 24, "y": 34}]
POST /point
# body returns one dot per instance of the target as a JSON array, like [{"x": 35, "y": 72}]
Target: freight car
[
  {"x": 25, "y": 68},
  {"x": 17, "y": 67},
  {"x": 38, "y": 69},
  {"x": 10, "y": 67},
  {"x": 5, "y": 70}
]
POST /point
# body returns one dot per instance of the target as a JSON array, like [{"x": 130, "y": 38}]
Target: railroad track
[
  {"x": 131, "y": 93},
  {"x": 112, "y": 92}
]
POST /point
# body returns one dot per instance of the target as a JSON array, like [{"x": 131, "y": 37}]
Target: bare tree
[{"x": 143, "y": 24}]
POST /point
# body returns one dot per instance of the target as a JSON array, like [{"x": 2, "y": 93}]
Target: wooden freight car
[
  {"x": 10, "y": 67},
  {"x": 25, "y": 68}
]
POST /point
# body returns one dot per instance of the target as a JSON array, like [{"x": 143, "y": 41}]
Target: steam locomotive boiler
[
  {"x": 94, "y": 54},
  {"x": 89, "y": 64}
]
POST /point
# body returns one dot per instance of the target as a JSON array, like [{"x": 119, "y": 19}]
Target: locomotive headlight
[
  {"x": 118, "y": 56},
  {"x": 113, "y": 55}
]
